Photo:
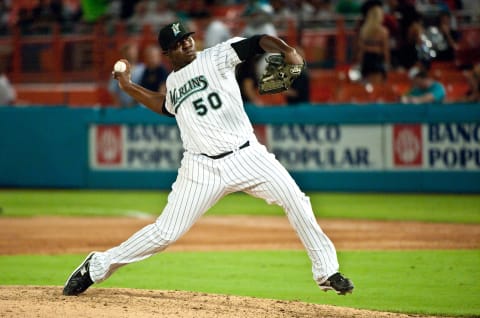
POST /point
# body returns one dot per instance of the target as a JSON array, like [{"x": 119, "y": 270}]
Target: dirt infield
[
  {"x": 34, "y": 301},
  {"x": 58, "y": 235}
]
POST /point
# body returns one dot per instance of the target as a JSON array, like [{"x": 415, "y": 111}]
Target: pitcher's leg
[
  {"x": 194, "y": 192},
  {"x": 317, "y": 244},
  {"x": 141, "y": 245},
  {"x": 271, "y": 181},
  {"x": 297, "y": 206}
]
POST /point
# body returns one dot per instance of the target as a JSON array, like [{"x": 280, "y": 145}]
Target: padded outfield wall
[{"x": 391, "y": 148}]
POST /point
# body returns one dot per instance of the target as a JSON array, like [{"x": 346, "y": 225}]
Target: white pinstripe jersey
[{"x": 205, "y": 98}]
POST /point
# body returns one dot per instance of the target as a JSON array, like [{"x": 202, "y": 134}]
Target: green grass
[
  {"x": 418, "y": 207},
  {"x": 421, "y": 282}
]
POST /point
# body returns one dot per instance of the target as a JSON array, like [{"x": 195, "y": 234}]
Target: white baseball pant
[{"x": 200, "y": 183}]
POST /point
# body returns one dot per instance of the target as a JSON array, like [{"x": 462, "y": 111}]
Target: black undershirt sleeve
[{"x": 249, "y": 47}]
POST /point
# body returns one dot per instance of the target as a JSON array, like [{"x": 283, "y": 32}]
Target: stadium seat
[
  {"x": 39, "y": 94},
  {"x": 455, "y": 91},
  {"x": 449, "y": 76},
  {"x": 273, "y": 99},
  {"x": 395, "y": 77},
  {"x": 315, "y": 44},
  {"x": 324, "y": 85},
  {"x": 354, "y": 93},
  {"x": 386, "y": 94},
  {"x": 443, "y": 65},
  {"x": 361, "y": 93},
  {"x": 323, "y": 93},
  {"x": 400, "y": 88},
  {"x": 83, "y": 95},
  {"x": 228, "y": 11}
]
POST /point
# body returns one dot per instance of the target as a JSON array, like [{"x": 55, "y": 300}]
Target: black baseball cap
[{"x": 170, "y": 34}]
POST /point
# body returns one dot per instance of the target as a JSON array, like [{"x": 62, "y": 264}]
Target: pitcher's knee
[
  {"x": 167, "y": 238},
  {"x": 297, "y": 203},
  {"x": 164, "y": 237}
]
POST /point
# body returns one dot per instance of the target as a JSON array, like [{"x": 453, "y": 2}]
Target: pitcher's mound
[{"x": 36, "y": 301}]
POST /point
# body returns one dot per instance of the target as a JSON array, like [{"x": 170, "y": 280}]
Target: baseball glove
[{"x": 278, "y": 75}]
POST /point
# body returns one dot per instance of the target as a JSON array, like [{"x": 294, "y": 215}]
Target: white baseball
[{"x": 120, "y": 66}]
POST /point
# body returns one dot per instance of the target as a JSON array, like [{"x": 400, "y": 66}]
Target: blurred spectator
[
  {"x": 247, "y": 79},
  {"x": 72, "y": 15},
  {"x": 182, "y": 7},
  {"x": 7, "y": 91},
  {"x": 5, "y": 12},
  {"x": 155, "y": 74},
  {"x": 411, "y": 30},
  {"x": 110, "y": 17},
  {"x": 373, "y": 46},
  {"x": 299, "y": 92},
  {"x": 163, "y": 14},
  {"x": 445, "y": 39},
  {"x": 188, "y": 10},
  {"x": 473, "y": 94},
  {"x": 197, "y": 9},
  {"x": 414, "y": 50},
  {"x": 127, "y": 8},
  {"x": 24, "y": 20},
  {"x": 215, "y": 31},
  {"x": 94, "y": 10},
  {"x": 454, "y": 5},
  {"x": 424, "y": 89},
  {"x": 474, "y": 8},
  {"x": 430, "y": 9},
  {"x": 317, "y": 9},
  {"x": 349, "y": 7},
  {"x": 390, "y": 21},
  {"x": 259, "y": 17},
  {"x": 114, "y": 10},
  {"x": 283, "y": 10},
  {"x": 129, "y": 52},
  {"x": 152, "y": 13},
  {"x": 137, "y": 20},
  {"x": 45, "y": 14}
]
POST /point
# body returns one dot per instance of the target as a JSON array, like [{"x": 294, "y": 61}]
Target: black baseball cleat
[
  {"x": 341, "y": 285},
  {"x": 79, "y": 280}
]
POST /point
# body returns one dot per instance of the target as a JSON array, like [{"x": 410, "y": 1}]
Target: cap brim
[{"x": 181, "y": 38}]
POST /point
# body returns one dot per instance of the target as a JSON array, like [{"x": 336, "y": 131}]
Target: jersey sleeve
[
  {"x": 167, "y": 106},
  {"x": 225, "y": 57}
]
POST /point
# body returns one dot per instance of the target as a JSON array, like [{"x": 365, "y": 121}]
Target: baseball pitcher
[{"x": 222, "y": 154}]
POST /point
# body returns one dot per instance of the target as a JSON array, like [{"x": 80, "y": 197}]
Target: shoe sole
[
  {"x": 78, "y": 268},
  {"x": 339, "y": 292}
]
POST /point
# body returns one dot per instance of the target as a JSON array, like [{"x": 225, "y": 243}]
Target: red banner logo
[
  {"x": 407, "y": 145},
  {"x": 108, "y": 145}
]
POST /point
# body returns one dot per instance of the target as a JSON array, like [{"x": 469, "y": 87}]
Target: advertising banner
[
  {"x": 303, "y": 147},
  {"x": 135, "y": 147},
  {"x": 436, "y": 146},
  {"x": 327, "y": 147}
]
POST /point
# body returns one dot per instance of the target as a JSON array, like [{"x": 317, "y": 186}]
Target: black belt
[{"x": 228, "y": 152}]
